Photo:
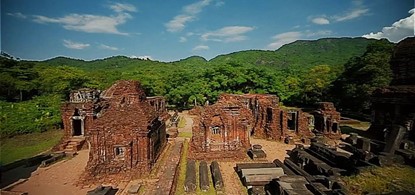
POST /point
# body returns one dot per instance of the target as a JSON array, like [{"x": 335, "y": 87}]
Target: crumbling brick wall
[
  {"x": 267, "y": 120},
  {"x": 270, "y": 119},
  {"x": 221, "y": 131},
  {"x": 326, "y": 119},
  {"x": 264, "y": 109}
]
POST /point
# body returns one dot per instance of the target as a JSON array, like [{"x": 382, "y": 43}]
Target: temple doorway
[{"x": 77, "y": 127}]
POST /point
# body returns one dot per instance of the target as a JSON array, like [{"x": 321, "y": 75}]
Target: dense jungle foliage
[{"x": 342, "y": 70}]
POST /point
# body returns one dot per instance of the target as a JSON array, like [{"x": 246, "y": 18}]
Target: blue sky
[{"x": 168, "y": 30}]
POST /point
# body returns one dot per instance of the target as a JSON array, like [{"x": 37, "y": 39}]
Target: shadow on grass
[
  {"x": 363, "y": 133},
  {"x": 348, "y": 130},
  {"x": 13, "y": 175}
]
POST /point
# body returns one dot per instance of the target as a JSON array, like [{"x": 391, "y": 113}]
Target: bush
[{"x": 36, "y": 115}]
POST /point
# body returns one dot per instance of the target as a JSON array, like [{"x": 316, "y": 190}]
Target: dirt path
[
  {"x": 59, "y": 178},
  {"x": 273, "y": 149},
  {"x": 189, "y": 121},
  {"x": 232, "y": 183}
]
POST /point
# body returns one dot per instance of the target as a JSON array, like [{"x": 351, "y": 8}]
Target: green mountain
[
  {"x": 297, "y": 55},
  {"x": 303, "y": 53}
]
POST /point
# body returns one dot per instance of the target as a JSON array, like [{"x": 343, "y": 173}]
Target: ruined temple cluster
[
  {"x": 125, "y": 132},
  {"x": 124, "y": 129},
  {"x": 224, "y": 128}
]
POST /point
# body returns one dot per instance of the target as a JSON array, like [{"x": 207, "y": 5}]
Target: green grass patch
[
  {"x": 28, "y": 145},
  {"x": 182, "y": 122},
  {"x": 382, "y": 180},
  {"x": 182, "y": 169},
  {"x": 185, "y": 134},
  {"x": 142, "y": 189},
  {"x": 360, "y": 125}
]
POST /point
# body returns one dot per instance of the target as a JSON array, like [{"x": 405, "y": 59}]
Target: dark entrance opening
[
  {"x": 77, "y": 127},
  {"x": 291, "y": 122},
  {"x": 269, "y": 115},
  {"x": 335, "y": 127}
]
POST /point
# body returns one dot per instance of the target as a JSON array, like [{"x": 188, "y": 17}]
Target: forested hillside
[
  {"x": 300, "y": 73},
  {"x": 303, "y": 54}
]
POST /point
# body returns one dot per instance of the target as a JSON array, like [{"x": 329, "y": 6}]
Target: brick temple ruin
[
  {"x": 125, "y": 130},
  {"x": 326, "y": 120},
  {"x": 259, "y": 115},
  {"x": 222, "y": 131},
  {"x": 270, "y": 119}
]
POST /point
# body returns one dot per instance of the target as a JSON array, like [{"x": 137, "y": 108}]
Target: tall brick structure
[
  {"x": 221, "y": 131},
  {"x": 125, "y": 129},
  {"x": 227, "y": 125},
  {"x": 395, "y": 104},
  {"x": 270, "y": 119},
  {"x": 326, "y": 119}
]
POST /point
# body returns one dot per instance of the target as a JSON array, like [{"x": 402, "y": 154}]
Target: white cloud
[
  {"x": 92, "y": 23},
  {"x": 398, "y": 31},
  {"x": 189, "y": 13},
  {"x": 182, "y": 39},
  {"x": 74, "y": 45},
  {"x": 178, "y": 23},
  {"x": 123, "y": 7},
  {"x": 142, "y": 57},
  {"x": 320, "y": 20},
  {"x": 107, "y": 47},
  {"x": 284, "y": 38},
  {"x": 219, "y": 3},
  {"x": 357, "y": 10},
  {"x": 227, "y": 34},
  {"x": 352, "y": 14},
  {"x": 289, "y": 37},
  {"x": 197, "y": 7},
  {"x": 200, "y": 47},
  {"x": 88, "y": 23},
  {"x": 17, "y": 15}
]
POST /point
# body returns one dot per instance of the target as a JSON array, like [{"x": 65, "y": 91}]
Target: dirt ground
[
  {"x": 273, "y": 149},
  {"x": 189, "y": 121},
  {"x": 59, "y": 178}
]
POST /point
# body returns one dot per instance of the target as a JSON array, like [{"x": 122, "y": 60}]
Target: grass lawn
[
  {"x": 182, "y": 175},
  {"x": 379, "y": 180},
  {"x": 26, "y": 146},
  {"x": 182, "y": 169},
  {"x": 185, "y": 134}
]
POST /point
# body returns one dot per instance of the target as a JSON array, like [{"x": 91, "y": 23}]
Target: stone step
[
  {"x": 69, "y": 151},
  {"x": 77, "y": 139},
  {"x": 74, "y": 143}
]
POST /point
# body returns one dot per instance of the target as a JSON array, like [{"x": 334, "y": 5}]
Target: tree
[{"x": 362, "y": 75}]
